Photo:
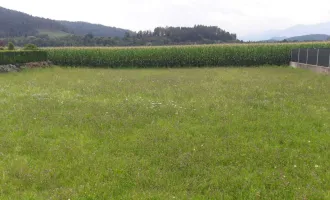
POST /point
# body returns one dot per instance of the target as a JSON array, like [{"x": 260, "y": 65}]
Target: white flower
[
  {"x": 316, "y": 166},
  {"x": 294, "y": 166}
]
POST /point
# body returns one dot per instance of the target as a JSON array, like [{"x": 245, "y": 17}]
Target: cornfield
[{"x": 179, "y": 56}]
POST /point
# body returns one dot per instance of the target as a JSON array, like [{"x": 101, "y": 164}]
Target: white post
[
  {"x": 317, "y": 58},
  {"x": 299, "y": 56},
  {"x": 307, "y": 57}
]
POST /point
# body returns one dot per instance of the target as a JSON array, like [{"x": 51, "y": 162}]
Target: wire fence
[{"x": 319, "y": 57}]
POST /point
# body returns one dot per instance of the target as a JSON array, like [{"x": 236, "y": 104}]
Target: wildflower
[
  {"x": 316, "y": 166},
  {"x": 294, "y": 166}
]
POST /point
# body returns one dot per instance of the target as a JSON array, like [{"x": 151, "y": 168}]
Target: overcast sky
[{"x": 238, "y": 16}]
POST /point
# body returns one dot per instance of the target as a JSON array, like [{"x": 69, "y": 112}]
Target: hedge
[{"x": 14, "y": 57}]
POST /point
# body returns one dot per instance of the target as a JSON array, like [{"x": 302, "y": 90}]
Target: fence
[{"x": 320, "y": 57}]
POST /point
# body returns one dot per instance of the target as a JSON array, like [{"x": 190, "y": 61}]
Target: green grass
[
  {"x": 53, "y": 34},
  {"x": 226, "y": 133}
]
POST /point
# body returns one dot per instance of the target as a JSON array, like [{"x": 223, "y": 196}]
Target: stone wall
[{"x": 314, "y": 68}]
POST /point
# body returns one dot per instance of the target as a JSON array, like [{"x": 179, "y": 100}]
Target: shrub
[
  {"x": 11, "y": 46},
  {"x": 30, "y": 47},
  {"x": 13, "y": 57}
]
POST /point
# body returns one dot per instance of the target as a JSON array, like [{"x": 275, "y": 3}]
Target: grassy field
[
  {"x": 225, "y": 133},
  {"x": 53, "y": 34}
]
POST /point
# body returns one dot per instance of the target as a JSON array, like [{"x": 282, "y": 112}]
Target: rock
[
  {"x": 18, "y": 67},
  {"x": 9, "y": 68},
  {"x": 37, "y": 64}
]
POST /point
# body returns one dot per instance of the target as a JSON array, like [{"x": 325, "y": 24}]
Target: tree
[
  {"x": 89, "y": 36},
  {"x": 127, "y": 35},
  {"x": 11, "y": 46}
]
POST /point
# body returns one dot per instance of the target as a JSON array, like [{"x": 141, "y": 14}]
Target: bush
[
  {"x": 14, "y": 57},
  {"x": 1, "y": 48},
  {"x": 11, "y": 46},
  {"x": 30, "y": 47}
]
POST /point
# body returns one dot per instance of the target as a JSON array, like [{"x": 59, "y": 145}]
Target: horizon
[{"x": 236, "y": 16}]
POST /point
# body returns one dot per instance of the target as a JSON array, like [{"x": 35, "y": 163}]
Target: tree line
[{"x": 198, "y": 34}]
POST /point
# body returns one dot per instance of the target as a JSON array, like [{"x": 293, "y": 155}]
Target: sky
[{"x": 237, "y": 16}]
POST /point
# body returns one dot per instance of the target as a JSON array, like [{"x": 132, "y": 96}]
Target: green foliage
[
  {"x": 12, "y": 57},
  {"x": 228, "y": 134},
  {"x": 30, "y": 47},
  {"x": 179, "y": 56},
  {"x": 1, "y": 48},
  {"x": 11, "y": 46}
]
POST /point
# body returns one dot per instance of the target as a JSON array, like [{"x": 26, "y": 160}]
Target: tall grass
[{"x": 178, "y": 56}]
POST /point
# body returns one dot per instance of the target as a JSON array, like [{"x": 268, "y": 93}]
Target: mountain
[
  {"x": 278, "y": 38},
  {"x": 311, "y": 37},
  {"x": 301, "y": 38},
  {"x": 18, "y": 24},
  {"x": 298, "y": 30},
  {"x": 83, "y": 28}
]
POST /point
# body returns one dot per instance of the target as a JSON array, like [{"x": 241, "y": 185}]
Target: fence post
[
  {"x": 317, "y": 58},
  {"x": 307, "y": 57},
  {"x": 299, "y": 55},
  {"x": 329, "y": 59}
]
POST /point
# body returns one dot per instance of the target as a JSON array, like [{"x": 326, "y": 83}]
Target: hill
[
  {"x": 297, "y": 30},
  {"x": 83, "y": 28},
  {"x": 301, "y": 38},
  {"x": 19, "y": 24},
  {"x": 311, "y": 37}
]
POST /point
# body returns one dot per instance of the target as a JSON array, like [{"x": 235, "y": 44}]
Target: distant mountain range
[
  {"x": 302, "y": 38},
  {"x": 18, "y": 24},
  {"x": 308, "y": 31}
]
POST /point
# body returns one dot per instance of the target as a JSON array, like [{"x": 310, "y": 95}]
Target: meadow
[{"x": 211, "y": 133}]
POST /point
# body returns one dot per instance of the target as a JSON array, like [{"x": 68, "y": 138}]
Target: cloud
[{"x": 238, "y": 16}]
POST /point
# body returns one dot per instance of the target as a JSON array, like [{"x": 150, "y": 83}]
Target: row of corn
[{"x": 179, "y": 56}]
